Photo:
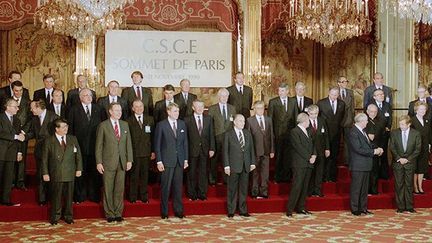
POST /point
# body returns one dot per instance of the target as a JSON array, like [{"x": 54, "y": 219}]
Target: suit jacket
[
  {"x": 376, "y": 127},
  {"x": 241, "y": 102},
  {"x": 283, "y": 121},
  {"x": 368, "y": 95},
  {"x": 141, "y": 137},
  {"x": 424, "y": 130},
  {"x": 200, "y": 143},
  {"x": 348, "y": 120},
  {"x": 169, "y": 149},
  {"x": 160, "y": 113},
  {"x": 263, "y": 140},
  {"x": 302, "y": 148},
  {"x": 82, "y": 128},
  {"x": 104, "y": 102},
  {"x": 74, "y": 99},
  {"x": 334, "y": 121},
  {"x": 306, "y": 102},
  {"x": 237, "y": 159},
  {"x": 385, "y": 113},
  {"x": 185, "y": 107},
  {"x": 361, "y": 151},
  {"x": 411, "y": 105},
  {"x": 24, "y": 114},
  {"x": 129, "y": 94},
  {"x": 60, "y": 164},
  {"x": 40, "y": 95},
  {"x": 5, "y": 92},
  {"x": 41, "y": 132},
  {"x": 413, "y": 145},
  {"x": 9, "y": 147},
  {"x": 320, "y": 137},
  {"x": 64, "y": 110},
  {"x": 110, "y": 152},
  {"x": 220, "y": 124}
]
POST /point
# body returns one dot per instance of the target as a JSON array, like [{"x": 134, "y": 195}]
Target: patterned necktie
[
  {"x": 11, "y": 120},
  {"x": 241, "y": 140},
  {"x": 174, "y": 128},
  {"x": 140, "y": 122},
  {"x": 63, "y": 143},
  {"x": 138, "y": 91},
  {"x": 116, "y": 131},
  {"x": 314, "y": 126},
  {"x": 200, "y": 128},
  {"x": 88, "y": 113},
  {"x": 224, "y": 114},
  {"x": 261, "y": 124},
  {"x": 185, "y": 98}
]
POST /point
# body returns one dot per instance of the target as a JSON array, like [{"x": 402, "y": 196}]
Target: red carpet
[{"x": 336, "y": 198}]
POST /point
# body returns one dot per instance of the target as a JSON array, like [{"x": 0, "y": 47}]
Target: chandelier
[
  {"x": 417, "y": 10},
  {"x": 81, "y": 19},
  {"x": 328, "y": 21},
  {"x": 260, "y": 79}
]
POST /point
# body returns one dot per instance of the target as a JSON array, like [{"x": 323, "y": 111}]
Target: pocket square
[
  {"x": 182, "y": 130},
  {"x": 125, "y": 131}
]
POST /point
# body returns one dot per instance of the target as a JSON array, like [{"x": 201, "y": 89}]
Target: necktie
[
  {"x": 41, "y": 120},
  {"x": 185, "y": 98},
  {"x": 138, "y": 92},
  {"x": 63, "y": 143},
  {"x": 174, "y": 128},
  {"x": 88, "y": 113},
  {"x": 116, "y": 131},
  {"x": 57, "y": 110},
  {"x": 261, "y": 124},
  {"x": 241, "y": 90},
  {"x": 200, "y": 128},
  {"x": 11, "y": 120},
  {"x": 48, "y": 97},
  {"x": 224, "y": 114},
  {"x": 333, "y": 107},
  {"x": 380, "y": 106},
  {"x": 404, "y": 140},
  {"x": 301, "y": 104},
  {"x": 343, "y": 94},
  {"x": 314, "y": 126},
  {"x": 285, "y": 105},
  {"x": 140, "y": 122},
  {"x": 241, "y": 140}
]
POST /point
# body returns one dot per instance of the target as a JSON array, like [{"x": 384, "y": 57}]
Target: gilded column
[{"x": 86, "y": 63}]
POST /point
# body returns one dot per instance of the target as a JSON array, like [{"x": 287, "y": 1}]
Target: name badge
[
  {"x": 322, "y": 130},
  {"x": 231, "y": 118},
  {"x": 387, "y": 99},
  {"x": 75, "y": 149},
  {"x": 147, "y": 129},
  {"x": 386, "y": 114}
]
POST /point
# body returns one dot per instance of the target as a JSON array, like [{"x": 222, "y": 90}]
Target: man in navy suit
[{"x": 171, "y": 148}]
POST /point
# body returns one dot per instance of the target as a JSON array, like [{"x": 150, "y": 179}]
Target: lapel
[
  {"x": 399, "y": 140},
  {"x": 363, "y": 136},
  {"x": 256, "y": 124},
  {"x": 111, "y": 128},
  {"x": 170, "y": 128},
  {"x": 7, "y": 121},
  {"x": 195, "y": 126}
]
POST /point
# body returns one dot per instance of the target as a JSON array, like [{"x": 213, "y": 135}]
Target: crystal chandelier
[
  {"x": 328, "y": 21},
  {"x": 81, "y": 19},
  {"x": 260, "y": 79},
  {"x": 417, "y": 10}
]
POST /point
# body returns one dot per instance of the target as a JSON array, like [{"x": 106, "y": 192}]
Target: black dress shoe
[
  {"x": 411, "y": 210},
  {"x": 245, "y": 215},
  {"x": 163, "y": 216},
  {"x": 399, "y": 211},
  {"x": 289, "y": 214},
  {"x": 110, "y": 220},
  {"x": 356, "y": 213},
  {"x": 42, "y": 203},
  {"x": 179, "y": 215},
  {"x": 202, "y": 198},
  {"x": 421, "y": 192},
  {"x": 119, "y": 219},
  {"x": 53, "y": 222},
  {"x": 69, "y": 221},
  {"x": 367, "y": 212},
  {"x": 230, "y": 215},
  {"x": 264, "y": 196},
  {"x": 304, "y": 212}
]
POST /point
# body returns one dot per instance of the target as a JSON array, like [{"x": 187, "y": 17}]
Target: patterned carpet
[{"x": 324, "y": 226}]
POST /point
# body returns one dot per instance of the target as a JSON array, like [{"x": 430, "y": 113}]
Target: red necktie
[
  {"x": 139, "y": 92},
  {"x": 116, "y": 131},
  {"x": 63, "y": 144},
  {"x": 314, "y": 126}
]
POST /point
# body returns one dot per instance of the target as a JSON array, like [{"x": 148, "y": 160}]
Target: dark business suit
[
  {"x": 129, "y": 94},
  {"x": 348, "y": 120},
  {"x": 63, "y": 110},
  {"x": 425, "y": 130},
  {"x": 61, "y": 164},
  {"x": 74, "y": 99},
  {"x": 172, "y": 150},
  {"x": 84, "y": 129},
  {"x": 241, "y": 101},
  {"x": 9, "y": 148},
  {"x": 361, "y": 160},
  {"x": 306, "y": 103},
  {"x": 239, "y": 160},
  {"x": 5, "y": 92},
  {"x": 412, "y": 113},
  {"x": 302, "y": 148},
  {"x": 368, "y": 95},
  {"x": 185, "y": 106},
  {"x": 283, "y": 121},
  {"x": 320, "y": 137},
  {"x": 40, "y": 132},
  {"x": 404, "y": 174},
  {"x": 199, "y": 147},
  {"x": 142, "y": 137},
  {"x": 104, "y": 103},
  {"x": 113, "y": 154},
  {"x": 334, "y": 124},
  {"x": 375, "y": 127},
  {"x": 41, "y": 95},
  {"x": 160, "y": 113},
  {"x": 263, "y": 140},
  {"x": 220, "y": 125}
]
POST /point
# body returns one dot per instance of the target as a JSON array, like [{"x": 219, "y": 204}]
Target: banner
[{"x": 166, "y": 57}]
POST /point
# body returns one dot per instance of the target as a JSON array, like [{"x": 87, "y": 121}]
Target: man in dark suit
[
  {"x": 303, "y": 154},
  {"x": 114, "y": 157},
  {"x": 405, "y": 146},
  {"x": 201, "y": 147},
  {"x": 11, "y": 138},
  {"x": 421, "y": 96},
  {"x": 141, "y": 127},
  {"x": 283, "y": 112},
  {"x": 24, "y": 115},
  {"x": 112, "y": 97},
  {"x": 319, "y": 133},
  {"x": 185, "y": 99},
  {"x": 332, "y": 110},
  {"x": 73, "y": 94},
  {"x": 45, "y": 93},
  {"x": 302, "y": 101},
  {"x": 240, "y": 96},
  {"x": 160, "y": 109},
  {"x": 61, "y": 163},
  {"x": 138, "y": 91},
  {"x": 41, "y": 128},
  {"x": 171, "y": 148},
  {"x": 385, "y": 113},
  {"x": 378, "y": 83},
  {"x": 239, "y": 160},
  {"x": 361, "y": 153},
  {"x": 261, "y": 128},
  {"x": 6, "y": 91},
  {"x": 347, "y": 95},
  {"x": 57, "y": 105},
  {"x": 222, "y": 114},
  {"x": 84, "y": 119}
]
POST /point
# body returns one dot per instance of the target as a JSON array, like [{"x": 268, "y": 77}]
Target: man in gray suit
[
  {"x": 361, "y": 152},
  {"x": 347, "y": 95},
  {"x": 261, "y": 128},
  {"x": 378, "y": 80},
  {"x": 239, "y": 160},
  {"x": 405, "y": 146}
]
